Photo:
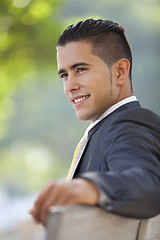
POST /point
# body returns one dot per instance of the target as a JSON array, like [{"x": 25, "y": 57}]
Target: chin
[{"x": 83, "y": 117}]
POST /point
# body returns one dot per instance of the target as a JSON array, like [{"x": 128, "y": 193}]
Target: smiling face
[{"x": 89, "y": 84}]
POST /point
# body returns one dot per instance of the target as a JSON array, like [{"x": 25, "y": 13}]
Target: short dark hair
[{"x": 107, "y": 38}]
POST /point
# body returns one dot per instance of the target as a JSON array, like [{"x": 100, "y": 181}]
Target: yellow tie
[{"x": 74, "y": 157}]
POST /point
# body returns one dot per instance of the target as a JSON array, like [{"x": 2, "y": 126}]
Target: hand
[{"x": 77, "y": 191}]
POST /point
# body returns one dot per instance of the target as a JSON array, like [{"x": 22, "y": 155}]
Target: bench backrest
[{"x": 92, "y": 223}]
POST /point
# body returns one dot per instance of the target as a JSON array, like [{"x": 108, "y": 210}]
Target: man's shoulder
[
  {"x": 133, "y": 110},
  {"x": 131, "y": 114},
  {"x": 138, "y": 113}
]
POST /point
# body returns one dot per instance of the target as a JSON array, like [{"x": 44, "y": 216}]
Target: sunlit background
[{"x": 38, "y": 128}]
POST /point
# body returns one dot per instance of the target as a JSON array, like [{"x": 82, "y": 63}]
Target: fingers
[
  {"x": 59, "y": 193},
  {"x": 44, "y": 200},
  {"x": 78, "y": 191},
  {"x": 56, "y": 198}
]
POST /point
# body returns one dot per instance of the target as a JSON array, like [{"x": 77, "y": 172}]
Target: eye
[
  {"x": 79, "y": 70},
  {"x": 63, "y": 75}
]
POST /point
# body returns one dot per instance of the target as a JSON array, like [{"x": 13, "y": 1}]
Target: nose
[{"x": 71, "y": 84}]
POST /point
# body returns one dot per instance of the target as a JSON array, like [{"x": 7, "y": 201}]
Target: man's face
[{"x": 88, "y": 82}]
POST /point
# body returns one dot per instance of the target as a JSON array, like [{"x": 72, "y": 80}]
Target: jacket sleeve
[{"x": 132, "y": 153}]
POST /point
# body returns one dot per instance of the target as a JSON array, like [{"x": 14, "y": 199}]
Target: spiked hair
[{"x": 107, "y": 38}]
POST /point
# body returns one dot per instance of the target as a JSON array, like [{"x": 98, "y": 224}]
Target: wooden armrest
[{"x": 81, "y": 222}]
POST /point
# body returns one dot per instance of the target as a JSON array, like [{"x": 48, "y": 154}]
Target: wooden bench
[{"x": 81, "y": 222}]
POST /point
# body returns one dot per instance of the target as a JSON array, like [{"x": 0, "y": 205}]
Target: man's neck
[{"x": 112, "y": 109}]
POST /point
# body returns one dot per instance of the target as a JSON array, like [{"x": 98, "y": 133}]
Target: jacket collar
[{"x": 129, "y": 105}]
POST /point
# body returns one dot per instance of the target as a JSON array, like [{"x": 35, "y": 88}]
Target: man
[{"x": 117, "y": 165}]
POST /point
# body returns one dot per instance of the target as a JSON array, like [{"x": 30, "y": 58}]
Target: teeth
[{"x": 79, "y": 99}]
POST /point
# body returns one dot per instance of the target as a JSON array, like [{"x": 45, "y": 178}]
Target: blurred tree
[{"x": 28, "y": 35}]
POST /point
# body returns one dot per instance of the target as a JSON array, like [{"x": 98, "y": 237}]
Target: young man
[{"x": 117, "y": 164}]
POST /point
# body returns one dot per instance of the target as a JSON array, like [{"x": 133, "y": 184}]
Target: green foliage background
[
  {"x": 38, "y": 128},
  {"x": 24, "y": 34}
]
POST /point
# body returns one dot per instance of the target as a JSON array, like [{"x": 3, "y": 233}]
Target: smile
[{"x": 80, "y": 99}]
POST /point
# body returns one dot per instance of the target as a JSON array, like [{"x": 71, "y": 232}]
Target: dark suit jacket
[{"x": 122, "y": 158}]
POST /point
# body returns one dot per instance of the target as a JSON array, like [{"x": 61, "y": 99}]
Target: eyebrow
[{"x": 74, "y": 66}]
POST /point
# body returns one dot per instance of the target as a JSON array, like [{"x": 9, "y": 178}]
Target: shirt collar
[{"x": 110, "y": 110}]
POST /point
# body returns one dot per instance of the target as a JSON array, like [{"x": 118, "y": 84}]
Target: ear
[{"x": 121, "y": 71}]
